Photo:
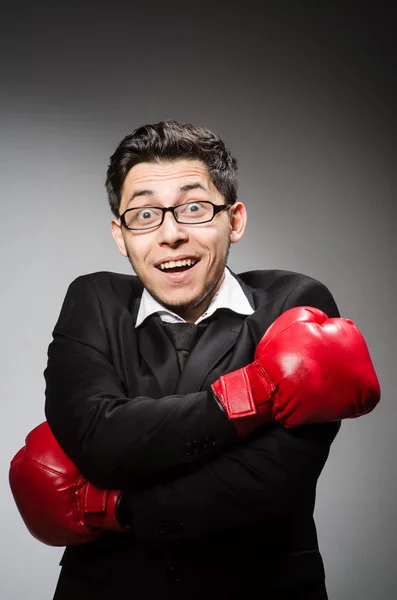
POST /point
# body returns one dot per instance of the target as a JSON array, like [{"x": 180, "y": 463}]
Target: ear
[
  {"x": 238, "y": 221},
  {"x": 117, "y": 234}
]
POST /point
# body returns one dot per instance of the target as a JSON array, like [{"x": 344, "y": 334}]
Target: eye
[
  {"x": 194, "y": 207},
  {"x": 145, "y": 214}
]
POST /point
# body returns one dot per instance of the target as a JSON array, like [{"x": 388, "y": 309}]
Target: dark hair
[{"x": 167, "y": 141}]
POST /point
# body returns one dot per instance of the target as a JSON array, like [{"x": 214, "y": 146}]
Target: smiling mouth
[{"x": 177, "y": 266}]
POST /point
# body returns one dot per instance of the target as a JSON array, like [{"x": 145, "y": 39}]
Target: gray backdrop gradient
[{"x": 305, "y": 98}]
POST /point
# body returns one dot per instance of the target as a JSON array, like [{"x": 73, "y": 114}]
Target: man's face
[{"x": 186, "y": 290}]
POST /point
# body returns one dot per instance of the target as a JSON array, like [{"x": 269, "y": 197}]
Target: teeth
[{"x": 177, "y": 263}]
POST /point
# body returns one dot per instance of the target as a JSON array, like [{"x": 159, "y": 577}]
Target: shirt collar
[{"x": 230, "y": 295}]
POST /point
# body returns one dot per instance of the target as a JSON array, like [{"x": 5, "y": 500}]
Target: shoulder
[
  {"x": 104, "y": 281},
  {"x": 276, "y": 282},
  {"x": 93, "y": 297},
  {"x": 104, "y": 287},
  {"x": 288, "y": 289},
  {"x": 273, "y": 278}
]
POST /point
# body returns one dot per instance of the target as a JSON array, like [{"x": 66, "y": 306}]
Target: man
[{"x": 194, "y": 409}]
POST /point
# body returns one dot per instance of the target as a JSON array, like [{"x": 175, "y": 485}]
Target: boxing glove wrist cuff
[
  {"x": 99, "y": 508},
  {"x": 242, "y": 391}
]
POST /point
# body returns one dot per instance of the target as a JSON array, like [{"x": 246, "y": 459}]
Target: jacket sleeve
[
  {"x": 114, "y": 439},
  {"x": 266, "y": 480}
]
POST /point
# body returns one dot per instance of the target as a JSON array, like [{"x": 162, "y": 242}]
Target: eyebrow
[
  {"x": 185, "y": 188},
  {"x": 140, "y": 193},
  {"x": 192, "y": 186}
]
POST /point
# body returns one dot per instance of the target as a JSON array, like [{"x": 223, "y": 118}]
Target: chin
[
  {"x": 178, "y": 305},
  {"x": 181, "y": 303}
]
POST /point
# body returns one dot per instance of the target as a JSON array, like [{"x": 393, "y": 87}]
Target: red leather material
[
  {"x": 57, "y": 504},
  {"x": 307, "y": 369}
]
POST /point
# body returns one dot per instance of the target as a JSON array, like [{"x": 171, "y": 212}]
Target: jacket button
[{"x": 172, "y": 573}]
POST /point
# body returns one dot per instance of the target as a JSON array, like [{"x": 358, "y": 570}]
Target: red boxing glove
[
  {"x": 307, "y": 369},
  {"x": 57, "y": 504}
]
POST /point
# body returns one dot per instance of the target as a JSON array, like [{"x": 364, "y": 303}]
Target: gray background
[{"x": 304, "y": 96}]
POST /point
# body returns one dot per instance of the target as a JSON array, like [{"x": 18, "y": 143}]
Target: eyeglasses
[{"x": 190, "y": 213}]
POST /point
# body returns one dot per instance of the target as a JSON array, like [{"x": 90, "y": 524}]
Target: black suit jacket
[{"x": 211, "y": 512}]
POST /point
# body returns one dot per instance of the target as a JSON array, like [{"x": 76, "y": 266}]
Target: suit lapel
[{"x": 217, "y": 339}]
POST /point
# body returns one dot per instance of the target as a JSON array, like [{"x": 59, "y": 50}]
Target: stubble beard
[{"x": 203, "y": 299}]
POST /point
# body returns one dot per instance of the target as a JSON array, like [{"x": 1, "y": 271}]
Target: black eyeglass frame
[{"x": 218, "y": 208}]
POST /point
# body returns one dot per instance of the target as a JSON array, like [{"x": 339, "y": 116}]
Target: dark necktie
[{"x": 183, "y": 336}]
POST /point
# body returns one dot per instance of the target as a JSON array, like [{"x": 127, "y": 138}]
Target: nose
[{"x": 172, "y": 233}]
